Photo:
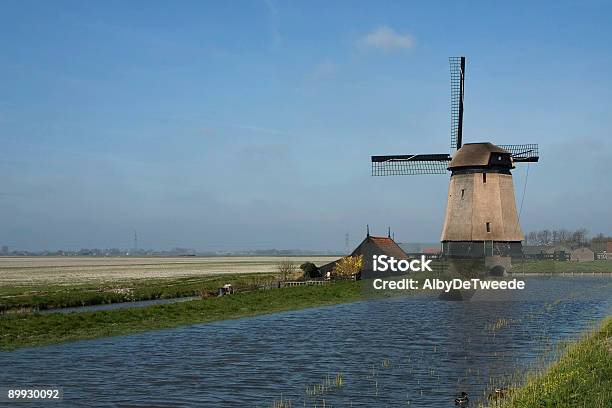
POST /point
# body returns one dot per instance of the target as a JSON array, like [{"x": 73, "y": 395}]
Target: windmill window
[
  {"x": 484, "y": 177},
  {"x": 488, "y": 227},
  {"x": 462, "y": 193}
]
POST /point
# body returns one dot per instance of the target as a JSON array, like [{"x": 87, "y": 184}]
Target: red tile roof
[
  {"x": 373, "y": 246},
  {"x": 388, "y": 247}
]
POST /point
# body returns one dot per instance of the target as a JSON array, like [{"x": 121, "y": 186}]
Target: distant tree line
[
  {"x": 100, "y": 252},
  {"x": 572, "y": 238},
  {"x": 4, "y": 251}
]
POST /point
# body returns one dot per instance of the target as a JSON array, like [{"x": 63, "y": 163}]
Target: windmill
[{"x": 481, "y": 218}]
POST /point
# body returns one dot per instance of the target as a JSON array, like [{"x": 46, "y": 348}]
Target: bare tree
[
  {"x": 564, "y": 235},
  {"x": 579, "y": 237},
  {"x": 555, "y": 237},
  {"x": 599, "y": 237},
  {"x": 286, "y": 268},
  {"x": 541, "y": 237},
  {"x": 532, "y": 237}
]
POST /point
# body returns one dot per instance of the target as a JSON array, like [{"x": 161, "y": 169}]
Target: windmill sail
[
  {"x": 457, "y": 72},
  {"x": 523, "y": 152},
  {"x": 410, "y": 164},
  {"x": 481, "y": 219}
]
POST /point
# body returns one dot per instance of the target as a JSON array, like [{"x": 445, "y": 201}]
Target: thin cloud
[{"x": 387, "y": 39}]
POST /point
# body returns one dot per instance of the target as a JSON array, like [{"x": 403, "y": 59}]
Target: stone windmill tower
[{"x": 481, "y": 218}]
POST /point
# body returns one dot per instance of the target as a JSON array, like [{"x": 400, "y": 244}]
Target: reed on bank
[{"x": 582, "y": 377}]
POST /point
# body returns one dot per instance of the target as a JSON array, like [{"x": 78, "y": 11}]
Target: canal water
[
  {"x": 413, "y": 351},
  {"x": 118, "y": 306}
]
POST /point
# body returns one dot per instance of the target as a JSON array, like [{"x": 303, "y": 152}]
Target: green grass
[
  {"x": 19, "y": 330},
  {"x": 50, "y": 296},
  {"x": 546, "y": 266},
  {"x": 581, "y": 378},
  {"x": 41, "y": 296}
]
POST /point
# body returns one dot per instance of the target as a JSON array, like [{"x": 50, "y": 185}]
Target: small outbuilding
[
  {"x": 601, "y": 245},
  {"x": 582, "y": 254},
  {"x": 557, "y": 252},
  {"x": 369, "y": 247}
]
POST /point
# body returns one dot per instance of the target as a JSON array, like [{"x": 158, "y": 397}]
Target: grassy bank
[
  {"x": 21, "y": 330},
  {"x": 581, "y": 378},
  {"x": 51, "y": 295},
  {"x": 41, "y": 295}
]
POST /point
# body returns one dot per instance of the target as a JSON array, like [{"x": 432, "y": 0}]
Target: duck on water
[{"x": 462, "y": 400}]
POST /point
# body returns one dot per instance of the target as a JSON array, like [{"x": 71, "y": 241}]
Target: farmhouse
[
  {"x": 369, "y": 247},
  {"x": 602, "y": 247},
  {"x": 557, "y": 252},
  {"x": 582, "y": 255}
]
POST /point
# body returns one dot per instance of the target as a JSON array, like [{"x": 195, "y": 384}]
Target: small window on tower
[
  {"x": 484, "y": 177},
  {"x": 462, "y": 192},
  {"x": 488, "y": 227}
]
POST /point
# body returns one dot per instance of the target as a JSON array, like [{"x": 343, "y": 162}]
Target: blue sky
[{"x": 249, "y": 124}]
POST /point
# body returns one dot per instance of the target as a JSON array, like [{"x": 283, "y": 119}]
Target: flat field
[{"x": 38, "y": 270}]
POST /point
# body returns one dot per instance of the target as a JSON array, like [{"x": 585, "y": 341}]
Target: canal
[{"x": 406, "y": 351}]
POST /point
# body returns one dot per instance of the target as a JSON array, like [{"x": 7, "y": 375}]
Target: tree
[
  {"x": 546, "y": 236},
  {"x": 581, "y": 236},
  {"x": 348, "y": 266},
  {"x": 310, "y": 270},
  {"x": 555, "y": 237},
  {"x": 286, "y": 268},
  {"x": 578, "y": 237},
  {"x": 564, "y": 235},
  {"x": 532, "y": 237}
]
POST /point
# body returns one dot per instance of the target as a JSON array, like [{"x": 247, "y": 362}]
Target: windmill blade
[
  {"x": 410, "y": 164},
  {"x": 523, "y": 153},
  {"x": 457, "y": 72}
]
